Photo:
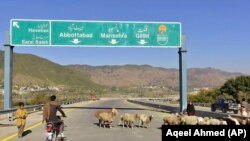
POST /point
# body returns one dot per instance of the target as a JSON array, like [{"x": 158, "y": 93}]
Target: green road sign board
[
  {"x": 95, "y": 33},
  {"x": 30, "y": 32}
]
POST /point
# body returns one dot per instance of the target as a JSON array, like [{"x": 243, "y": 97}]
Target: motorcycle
[{"x": 53, "y": 132}]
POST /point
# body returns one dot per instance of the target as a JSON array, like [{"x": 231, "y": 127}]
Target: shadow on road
[
  {"x": 25, "y": 133},
  {"x": 97, "y": 124},
  {"x": 102, "y": 126},
  {"x": 104, "y": 108}
]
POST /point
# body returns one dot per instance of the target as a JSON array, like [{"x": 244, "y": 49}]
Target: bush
[
  {"x": 238, "y": 87},
  {"x": 208, "y": 96},
  {"x": 38, "y": 99}
]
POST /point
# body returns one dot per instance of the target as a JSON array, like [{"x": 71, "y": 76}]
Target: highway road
[{"x": 81, "y": 124}]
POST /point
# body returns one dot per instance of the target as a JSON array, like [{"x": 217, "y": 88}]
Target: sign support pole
[
  {"x": 183, "y": 74},
  {"x": 8, "y": 62}
]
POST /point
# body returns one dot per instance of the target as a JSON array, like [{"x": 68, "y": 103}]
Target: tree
[{"x": 238, "y": 87}]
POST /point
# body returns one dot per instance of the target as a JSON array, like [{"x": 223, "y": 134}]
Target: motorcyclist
[{"x": 49, "y": 113}]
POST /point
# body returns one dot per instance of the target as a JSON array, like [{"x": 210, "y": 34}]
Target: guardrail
[
  {"x": 156, "y": 105},
  {"x": 27, "y": 107},
  {"x": 9, "y": 112},
  {"x": 175, "y": 109},
  {"x": 176, "y": 102},
  {"x": 209, "y": 105},
  {"x": 202, "y": 104}
]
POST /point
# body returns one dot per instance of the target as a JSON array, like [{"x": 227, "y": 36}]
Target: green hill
[{"x": 30, "y": 69}]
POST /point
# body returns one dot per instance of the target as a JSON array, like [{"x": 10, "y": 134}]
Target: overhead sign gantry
[
  {"x": 59, "y": 33},
  {"x": 95, "y": 33}
]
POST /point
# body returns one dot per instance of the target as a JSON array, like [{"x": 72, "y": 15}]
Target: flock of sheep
[
  {"x": 127, "y": 119},
  {"x": 176, "y": 119}
]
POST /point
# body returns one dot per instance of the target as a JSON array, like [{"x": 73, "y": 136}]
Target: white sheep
[
  {"x": 203, "y": 121},
  {"x": 129, "y": 119},
  {"x": 214, "y": 121},
  {"x": 189, "y": 120}
]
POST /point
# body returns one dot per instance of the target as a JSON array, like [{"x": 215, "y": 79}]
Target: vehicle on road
[
  {"x": 225, "y": 105},
  {"x": 53, "y": 131}
]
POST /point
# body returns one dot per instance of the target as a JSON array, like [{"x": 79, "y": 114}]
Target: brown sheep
[
  {"x": 106, "y": 116},
  {"x": 172, "y": 120},
  {"x": 230, "y": 120}
]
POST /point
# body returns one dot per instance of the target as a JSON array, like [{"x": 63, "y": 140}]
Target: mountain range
[
  {"x": 31, "y": 69},
  {"x": 135, "y": 75}
]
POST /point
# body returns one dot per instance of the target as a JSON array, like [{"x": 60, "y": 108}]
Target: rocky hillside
[{"x": 133, "y": 75}]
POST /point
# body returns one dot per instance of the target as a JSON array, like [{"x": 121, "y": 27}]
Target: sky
[{"x": 218, "y": 31}]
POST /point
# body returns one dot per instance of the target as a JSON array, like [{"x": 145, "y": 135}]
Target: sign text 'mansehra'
[{"x": 118, "y": 35}]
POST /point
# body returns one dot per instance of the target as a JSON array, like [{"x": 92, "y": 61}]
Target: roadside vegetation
[{"x": 235, "y": 88}]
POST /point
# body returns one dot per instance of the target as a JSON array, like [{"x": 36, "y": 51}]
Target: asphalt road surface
[{"x": 82, "y": 125}]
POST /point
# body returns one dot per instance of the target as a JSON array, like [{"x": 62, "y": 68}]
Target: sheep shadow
[
  {"x": 104, "y": 108},
  {"x": 106, "y": 126},
  {"x": 136, "y": 126},
  {"x": 125, "y": 126},
  {"x": 97, "y": 124}
]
